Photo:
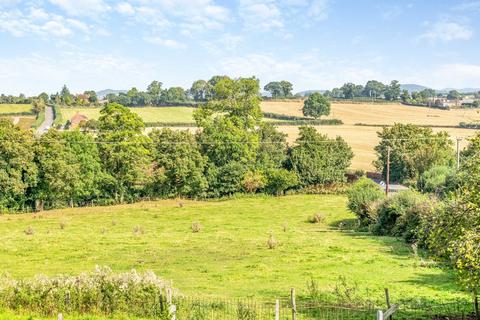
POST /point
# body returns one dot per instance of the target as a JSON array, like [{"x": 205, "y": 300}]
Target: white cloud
[
  {"x": 458, "y": 75},
  {"x": 40, "y": 23},
  {"x": 82, "y": 7},
  {"x": 318, "y": 10},
  {"x": 125, "y": 8},
  {"x": 260, "y": 14},
  {"x": 165, "y": 42},
  {"x": 446, "y": 31},
  {"x": 34, "y": 73}
]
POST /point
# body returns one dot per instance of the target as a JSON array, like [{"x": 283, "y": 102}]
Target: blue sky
[{"x": 315, "y": 44}]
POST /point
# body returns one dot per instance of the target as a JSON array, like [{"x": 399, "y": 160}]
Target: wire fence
[{"x": 206, "y": 309}]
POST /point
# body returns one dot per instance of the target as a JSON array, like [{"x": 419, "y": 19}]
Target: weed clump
[
  {"x": 272, "y": 242},
  {"x": 316, "y": 218},
  {"x": 29, "y": 231},
  {"x": 196, "y": 227}
]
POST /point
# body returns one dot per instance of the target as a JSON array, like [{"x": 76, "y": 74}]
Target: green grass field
[
  {"x": 148, "y": 114},
  {"x": 229, "y": 256},
  {"x": 15, "y": 108}
]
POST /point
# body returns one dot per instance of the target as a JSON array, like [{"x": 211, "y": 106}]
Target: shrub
[
  {"x": 138, "y": 230},
  {"x": 401, "y": 214},
  {"x": 436, "y": 180},
  {"x": 196, "y": 226},
  {"x": 279, "y": 180},
  {"x": 252, "y": 181},
  {"x": 63, "y": 224},
  {"x": 98, "y": 292},
  {"x": 362, "y": 196}
]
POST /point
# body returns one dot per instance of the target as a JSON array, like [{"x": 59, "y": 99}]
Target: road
[{"x": 48, "y": 123}]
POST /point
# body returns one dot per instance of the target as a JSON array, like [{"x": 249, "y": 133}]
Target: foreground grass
[
  {"x": 229, "y": 256},
  {"x": 15, "y": 108}
]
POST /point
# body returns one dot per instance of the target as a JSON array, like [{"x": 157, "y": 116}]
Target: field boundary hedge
[
  {"x": 312, "y": 122},
  {"x": 16, "y": 114},
  {"x": 460, "y": 126},
  {"x": 470, "y": 125},
  {"x": 39, "y": 120}
]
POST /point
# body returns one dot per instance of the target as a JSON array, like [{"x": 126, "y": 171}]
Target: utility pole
[
  {"x": 387, "y": 187},
  {"x": 458, "y": 152}
]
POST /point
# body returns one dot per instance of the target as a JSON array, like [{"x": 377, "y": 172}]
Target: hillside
[{"x": 229, "y": 257}]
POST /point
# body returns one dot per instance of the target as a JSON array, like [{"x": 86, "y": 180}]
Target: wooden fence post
[
  {"x": 379, "y": 315},
  {"x": 387, "y": 298},
  {"x": 294, "y": 305},
  {"x": 277, "y": 309},
  {"x": 172, "y": 309}
]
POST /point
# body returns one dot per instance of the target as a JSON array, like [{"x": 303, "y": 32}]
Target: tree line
[{"x": 233, "y": 151}]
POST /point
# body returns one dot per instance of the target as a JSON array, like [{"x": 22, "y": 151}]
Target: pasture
[
  {"x": 15, "y": 108},
  {"x": 229, "y": 257},
  {"x": 148, "y": 114}
]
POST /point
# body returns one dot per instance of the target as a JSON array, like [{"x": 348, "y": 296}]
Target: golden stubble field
[{"x": 379, "y": 114}]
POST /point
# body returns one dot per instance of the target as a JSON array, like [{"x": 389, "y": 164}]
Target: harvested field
[{"x": 381, "y": 114}]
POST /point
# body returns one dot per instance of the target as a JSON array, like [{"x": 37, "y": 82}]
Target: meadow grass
[
  {"x": 15, "y": 108},
  {"x": 229, "y": 257}
]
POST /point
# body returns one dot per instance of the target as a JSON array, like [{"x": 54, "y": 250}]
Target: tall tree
[
  {"x": 275, "y": 89},
  {"x": 349, "y": 90},
  {"x": 319, "y": 160},
  {"x": 178, "y": 164},
  {"x": 287, "y": 88},
  {"x": 316, "y": 105},
  {"x": 199, "y": 90},
  {"x": 392, "y": 92},
  {"x": 18, "y": 171},
  {"x": 413, "y": 150},
  {"x": 124, "y": 150},
  {"x": 373, "y": 89}
]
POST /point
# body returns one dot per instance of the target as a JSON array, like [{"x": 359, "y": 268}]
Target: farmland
[
  {"x": 148, "y": 114},
  {"x": 15, "y": 108},
  {"x": 381, "y": 114},
  {"x": 229, "y": 256}
]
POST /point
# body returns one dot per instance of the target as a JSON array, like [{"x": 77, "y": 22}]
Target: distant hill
[
  {"x": 411, "y": 87},
  {"x": 463, "y": 90},
  {"x": 101, "y": 94}
]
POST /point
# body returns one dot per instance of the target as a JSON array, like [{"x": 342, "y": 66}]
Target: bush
[
  {"x": 401, "y": 215},
  {"x": 271, "y": 242},
  {"x": 361, "y": 196},
  {"x": 98, "y": 292},
  {"x": 252, "y": 181},
  {"x": 436, "y": 180},
  {"x": 279, "y": 180}
]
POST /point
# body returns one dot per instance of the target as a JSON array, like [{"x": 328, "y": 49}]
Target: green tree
[
  {"x": 18, "y": 171},
  {"x": 58, "y": 171},
  {"x": 414, "y": 150},
  {"x": 174, "y": 94},
  {"x": 199, "y": 90},
  {"x": 349, "y": 90},
  {"x": 287, "y": 88},
  {"x": 38, "y": 105},
  {"x": 319, "y": 160},
  {"x": 272, "y": 151},
  {"x": 87, "y": 157},
  {"x": 454, "y": 95},
  {"x": 178, "y": 164},
  {"x": 92, "y": 96},
  {"x": 373, "y": 89},
  {"x": 275, "y": 89},
  {"x": 155, "y": 88},
  {"x": 405, "y": 96},
  {"x": 65, "y": 96},
  {"x": 124, "y": 150},
  {"x": 279, "y": 180},
  {"x": 316, "y": 105},
  {"x": 392, "y": 92}
]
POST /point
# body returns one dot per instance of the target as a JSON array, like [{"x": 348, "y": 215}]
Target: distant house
[{"x": 77, "y": 119}]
